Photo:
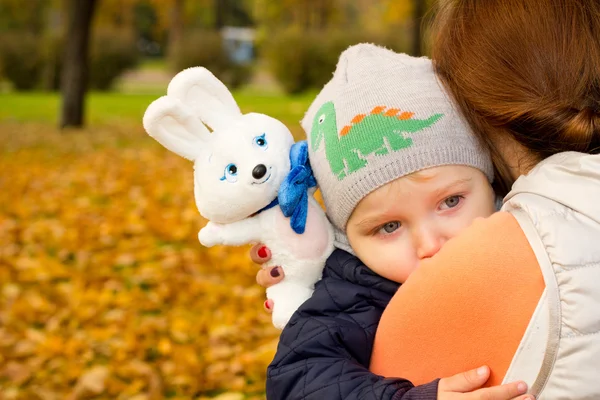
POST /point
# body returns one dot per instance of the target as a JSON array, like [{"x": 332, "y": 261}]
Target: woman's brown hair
[{"x": 527, "y": 68}]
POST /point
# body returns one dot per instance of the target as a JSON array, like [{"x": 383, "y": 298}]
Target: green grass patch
[
  {"x": 153, "y": 64},
  {"x": 113, "y": 107},
  {"x": 100, "y": 107}
]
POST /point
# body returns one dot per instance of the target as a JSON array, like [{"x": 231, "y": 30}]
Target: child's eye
[
  {"x": 389, "y": 227},
  {"x": 230, "y": 173},
  {"x": 261, "y": 141},
  {"x": 451, "y": 202}
]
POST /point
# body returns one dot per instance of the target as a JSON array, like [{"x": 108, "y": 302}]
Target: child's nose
[{"x": 428, "y": 244}]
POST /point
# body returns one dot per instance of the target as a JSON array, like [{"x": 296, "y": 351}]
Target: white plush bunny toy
[{"x": 247, "y": 173}]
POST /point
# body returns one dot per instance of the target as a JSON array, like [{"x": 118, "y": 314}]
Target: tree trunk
[
  {"x": 175, "y": 31},
  {"x": 219, "y": 6},
  {"x": 307, "y": 15},
  {"x": 418, "y": 14},
  {"x": 75, "y": 62},
  {"x": 322, "y": 17}
]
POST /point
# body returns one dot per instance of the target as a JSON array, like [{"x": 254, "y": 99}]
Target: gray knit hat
[{"x": 382, "y": 116}]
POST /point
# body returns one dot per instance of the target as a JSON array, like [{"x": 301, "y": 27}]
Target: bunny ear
[
  {"x": 174, "y": 126},
  {"x": 207, "y": 96}
]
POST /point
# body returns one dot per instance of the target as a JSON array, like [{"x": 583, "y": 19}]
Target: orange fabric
[
  {"x": 406, "y": 115},
  {"x": 358, "y": 118},
  {"x": 468, "y": 306},
  {"x": 345, "y": 130},
  {"x": 378, "y": 109}
]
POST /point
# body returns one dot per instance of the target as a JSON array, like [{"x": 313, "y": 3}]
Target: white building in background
[{"x": 239, "y": 43}]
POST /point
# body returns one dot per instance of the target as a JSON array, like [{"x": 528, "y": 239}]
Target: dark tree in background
[
  {"x": 230, "y": 12},
  {"x": 419, "y": 11},
  {"x": 176, "y": 28},
  {"x": 75, "y": 61},
  {"x": 219, "y": 6}
]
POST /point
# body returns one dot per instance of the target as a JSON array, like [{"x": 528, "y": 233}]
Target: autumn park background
[{"x": 105, "y": 291}]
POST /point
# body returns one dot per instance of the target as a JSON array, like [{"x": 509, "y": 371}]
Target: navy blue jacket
[{"x": 325, "y": 349}]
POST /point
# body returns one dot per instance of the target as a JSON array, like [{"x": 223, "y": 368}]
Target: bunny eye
[
  {"x": 260, "y": 142},
  {"x": 230, "y": 173},
  {"x": 321, "y": 119}
]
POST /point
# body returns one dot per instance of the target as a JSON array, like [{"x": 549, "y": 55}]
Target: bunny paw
[{"x": 211, "y": 235}]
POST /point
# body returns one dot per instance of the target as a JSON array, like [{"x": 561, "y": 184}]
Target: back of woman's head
[{"x": 527, "y": 68}]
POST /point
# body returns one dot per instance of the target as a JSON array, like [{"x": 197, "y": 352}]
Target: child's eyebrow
[
  {"x": 449, "y": 187},
  {"x": 372, "y": 221}
]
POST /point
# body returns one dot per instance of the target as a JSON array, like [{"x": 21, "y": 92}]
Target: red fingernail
[
  {"x": 275, "y": 272},
  {"x": 267, "y": 305},
  {"x": 262, "y": 252}
]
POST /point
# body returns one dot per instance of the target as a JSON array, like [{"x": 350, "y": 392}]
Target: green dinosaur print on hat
[{"x": 379, "y": 132}]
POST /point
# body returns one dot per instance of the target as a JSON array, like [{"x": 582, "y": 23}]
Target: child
[{"x": 400, "y": 173}]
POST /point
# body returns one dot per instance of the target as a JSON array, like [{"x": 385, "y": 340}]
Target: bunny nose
[{"x": 259, "y": 171}]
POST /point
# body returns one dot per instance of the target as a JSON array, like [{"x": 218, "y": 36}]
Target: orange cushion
[{"x": 468, "y": 306}]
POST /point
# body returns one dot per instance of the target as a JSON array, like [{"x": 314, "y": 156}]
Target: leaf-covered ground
[{"x": 105, "y": 291}]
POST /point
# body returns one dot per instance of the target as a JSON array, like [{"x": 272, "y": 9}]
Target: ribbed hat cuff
[{"x": 341, "y": 204}]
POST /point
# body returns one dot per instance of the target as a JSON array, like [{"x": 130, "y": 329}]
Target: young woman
[{"x": 526, "y": 76}]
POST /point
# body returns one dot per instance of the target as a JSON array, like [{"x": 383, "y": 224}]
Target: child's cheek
[{"x": 313, "y": 242}]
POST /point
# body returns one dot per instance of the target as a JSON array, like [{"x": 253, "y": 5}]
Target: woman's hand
[
  {"x": 467, "y": 386},
  {"x": 266, "y": 276}
]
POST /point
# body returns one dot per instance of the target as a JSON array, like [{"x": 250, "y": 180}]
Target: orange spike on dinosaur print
[
  {"x": 358, "y": 118},
  {"x": 345, "y": 130},
  {"x": 378, "y": 109},
  {"x": 392, "y": 112},
  {"x": 405, "y": 115},
  {"x": 355, "y": 120}
]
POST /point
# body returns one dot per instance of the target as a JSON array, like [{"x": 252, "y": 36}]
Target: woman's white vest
[{"x": 558, "y": 207}]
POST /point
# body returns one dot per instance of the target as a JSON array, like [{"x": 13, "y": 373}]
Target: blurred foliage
[
  {"x": 112, "y": 53},
  {"x": 200, "y": 48},
  {"x": 52, "y": 53},
  {"x": 21, "y": 59},
  {"x": 348, "y": 15},
  {"x": 17, "y": 15},
  {"x": 303, "y": 60},
  {"x": 294, "y": 61},
  {"x": 150, "y": 28},
  {"x": 105, "y": 292},
  {"x": 197, "y": 13},
  {"x": 30, "y": 63},
  {"x": 116, "y": 13},
  {"x": 205, "y": 48},
  {"x": 305, "y": 14}
]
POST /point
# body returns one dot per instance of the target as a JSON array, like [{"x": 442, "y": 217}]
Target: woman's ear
[
  {"x": 206, "y": 96},
  {"x": 174, "y": 126}
]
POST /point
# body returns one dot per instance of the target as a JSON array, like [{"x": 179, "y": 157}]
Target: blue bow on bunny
[{"x": 293, "y": 192}]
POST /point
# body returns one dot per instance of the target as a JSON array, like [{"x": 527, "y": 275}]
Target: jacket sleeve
[
  {"x": 491, "y": 268},
  {"x": 324, "y": 355}
]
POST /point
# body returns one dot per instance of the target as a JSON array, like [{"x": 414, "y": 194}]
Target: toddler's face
[{"x": 396, "y": 226}]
